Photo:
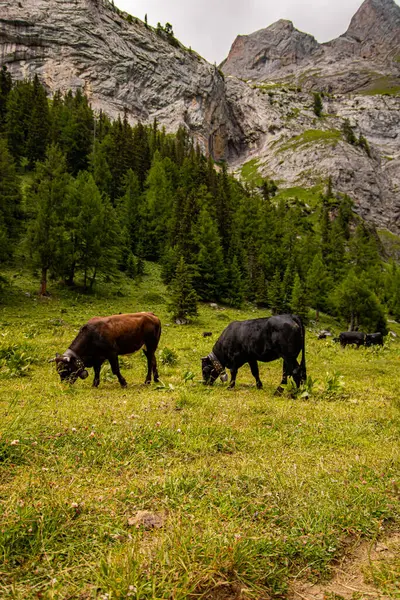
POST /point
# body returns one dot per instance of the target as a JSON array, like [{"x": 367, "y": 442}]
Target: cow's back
[
  {"x": 127, "y": 332},
  {"x": 262, "y": 339}
]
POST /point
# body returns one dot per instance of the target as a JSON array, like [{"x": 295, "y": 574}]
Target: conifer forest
[{"x": 84, "y": 198}]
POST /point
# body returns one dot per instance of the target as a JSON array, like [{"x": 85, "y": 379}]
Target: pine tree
[
  {"x": 183, "y": 302},
  {"x": 77, "y": 133},
  {"x": 358, "y": 305},
  {"x": 317, "y": 104},
  {"x": 49, "y": 203},
  {"x": 39, "y": 124},
  {"x": 98, "y": 166},
  {"x": 157, "y": 210},
  {"x": 364, "y": 252},
  {"x": 275, "y": 294},
  {"x": 348, "y": 133},
  {"x": 209, "y": 280},
  {"x": 141, "y": 153},
  {"x": 169, "y": 264},
  {"x": 18, "y": 109},
  {"x": 287, "y": 284},
  {"x": 317, "y": 284},
  {"x": 299, "y": 303},
  {"x": 5, "y": 89},
  {"x": 129, "y": 209},
  {"x": 10, "y": 199},
  {"x": 97, "y": 232},
  {"x": 236, "y": 287},
  {"x": 261, "y": 297}
]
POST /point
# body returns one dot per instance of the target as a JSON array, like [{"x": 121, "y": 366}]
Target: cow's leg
[
  {"x": 293, "y": 370},
  {"x": 254, "y": 371},
  {"x": 154, "y": 367},
  {"x": 279, "y": 389},
  {"x": 149, "y": 355},
  {"x": 113, "y": 360},
  {"x": 233, "y": 378},
  {"x": 96, "y": 380}
]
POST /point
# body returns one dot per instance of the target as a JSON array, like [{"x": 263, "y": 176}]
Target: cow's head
[
  {"x": 298, "y": 376},
  {"x": 70, "y": 368},
  {"x": 211, "y": 370}
]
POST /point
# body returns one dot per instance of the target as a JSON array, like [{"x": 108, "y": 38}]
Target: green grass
[
  {"x": 254, "y": 490},
  {"x": 249, "y": 172},
  {"x": 311, "y": 136},
  {"x": 382, "y": 85},
  {"x": 312, "y": 196},
  {"x": 391, "y": 243}
]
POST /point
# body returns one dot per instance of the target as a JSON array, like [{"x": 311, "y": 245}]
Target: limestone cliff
[{"x": 120, "y": 64}]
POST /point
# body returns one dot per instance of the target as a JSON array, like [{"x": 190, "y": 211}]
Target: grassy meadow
[{"x": 245, "y": 492}]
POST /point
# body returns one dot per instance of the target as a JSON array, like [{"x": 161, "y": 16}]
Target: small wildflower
[
  {"x": 74, "y": 505},
  {"x": 92, "y": 434},
  {"x": 14, "y": 442},
  {"x": 179, "y": 430},
  {"x": 158, "y": 424},
  {"x": 73, "y": 429}
]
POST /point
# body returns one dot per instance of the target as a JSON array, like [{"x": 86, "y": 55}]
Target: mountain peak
[
  {"x": 266, "y": 50},
  {"x": 374, "y": 19}
]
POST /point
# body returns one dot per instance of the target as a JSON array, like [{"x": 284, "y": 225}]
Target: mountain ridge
[{"x": 369, "y": 49}]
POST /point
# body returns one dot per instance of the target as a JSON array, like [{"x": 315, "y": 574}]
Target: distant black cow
[
  {"x": 281, "y": 336},
  {"x": 324, "y": 334},
  {"x": 106, "y": 338},
  {"x": 352, "y": 337},
  {"x": 374, "y": 339}
]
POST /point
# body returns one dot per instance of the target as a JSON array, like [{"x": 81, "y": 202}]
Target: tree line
[{"x": 84, "y": 197}]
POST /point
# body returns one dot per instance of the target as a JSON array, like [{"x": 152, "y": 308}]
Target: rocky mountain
[
  {"x": 268, "y": 123},
  {"x": 366, "y": 56}
]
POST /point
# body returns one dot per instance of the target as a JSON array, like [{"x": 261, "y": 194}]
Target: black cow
[
  {"x": 374, "y": 339},
  {"x": 281, "y": 336},
  {"x": 106, "y": 338},
  {"x": 352, "y": 337}
]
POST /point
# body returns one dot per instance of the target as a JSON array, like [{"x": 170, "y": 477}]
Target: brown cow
[{"x": 106, "y": 338}]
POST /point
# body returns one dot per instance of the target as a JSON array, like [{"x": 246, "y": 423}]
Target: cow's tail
[{"x": 303, "y": 368}]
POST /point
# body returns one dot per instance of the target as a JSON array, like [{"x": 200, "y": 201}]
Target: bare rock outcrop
[{"x": 267, "y": 51}]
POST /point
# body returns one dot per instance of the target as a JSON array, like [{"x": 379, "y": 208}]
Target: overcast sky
[{"x": 210, "y": 26}]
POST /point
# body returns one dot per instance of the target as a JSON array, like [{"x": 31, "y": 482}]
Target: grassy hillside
[{"x": 246, "y": 491}]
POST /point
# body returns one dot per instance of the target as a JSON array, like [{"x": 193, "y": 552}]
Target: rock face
[
  {"x": 123, "y": 66},
  {"x": 296, "y": 149},
  {"x": 270, "y": 50},
  {"x": 120, "y": 64},
  {"x": 365, "y": 55}
]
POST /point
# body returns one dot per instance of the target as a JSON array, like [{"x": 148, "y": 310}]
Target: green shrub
[
  {"x": 15, "y": 360},
  {"x": 168, "y": 357}
]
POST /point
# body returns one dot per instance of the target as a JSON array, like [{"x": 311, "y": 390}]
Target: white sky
[{"x": 210, "y": 26}]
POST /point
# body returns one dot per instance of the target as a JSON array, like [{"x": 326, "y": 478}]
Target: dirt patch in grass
[{"x": 352, "y": 575}]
